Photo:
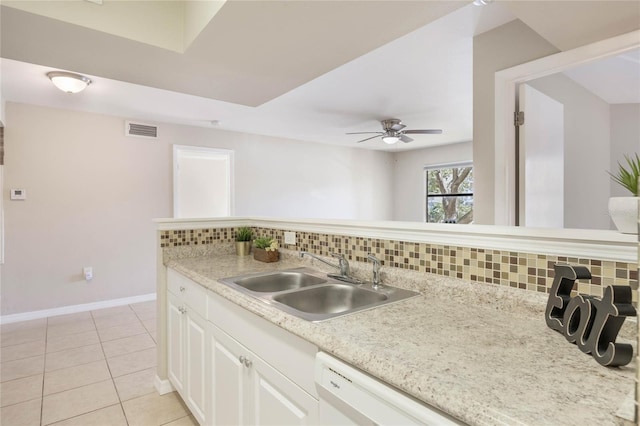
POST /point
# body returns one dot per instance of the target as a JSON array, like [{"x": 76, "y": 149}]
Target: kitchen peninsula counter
[{"x": 481, "y": 353}]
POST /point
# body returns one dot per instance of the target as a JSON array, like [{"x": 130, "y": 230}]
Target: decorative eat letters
[{"x": 591, "y": 323}]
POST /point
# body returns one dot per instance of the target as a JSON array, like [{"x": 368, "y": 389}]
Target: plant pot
[
  {"x": 243, "y": 248},
  {"x": 265, "y": 256},
  {"x": 624, "y": 213}
]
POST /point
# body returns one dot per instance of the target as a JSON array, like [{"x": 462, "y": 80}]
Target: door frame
[
  {"x": 203, "y": 149},
  {"x": 506, "y": 88}
]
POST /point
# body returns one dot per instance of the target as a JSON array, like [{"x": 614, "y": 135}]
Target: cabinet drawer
[{"x": 187, "y": 291}]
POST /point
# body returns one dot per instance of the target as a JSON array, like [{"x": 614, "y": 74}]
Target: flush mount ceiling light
[
  {"x": 481, "y": 2},
  {"x": 390, "y": 139},
  {"x": 69, "y": 82}
]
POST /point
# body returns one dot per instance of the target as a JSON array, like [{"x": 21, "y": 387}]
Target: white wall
[
  {"x": 409, "y": 185},
  {"x": 284, "y": 178},
  {"x": 625, "y": 139},
  {"x": 586, "y": 152},
  {"x": 92, "y": 192},
  {"x": 503, "y": 47},
  {"x": 90, "y": 196}
]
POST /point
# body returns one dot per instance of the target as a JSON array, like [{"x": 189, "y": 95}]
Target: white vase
[{"x": 624, "y": 213}]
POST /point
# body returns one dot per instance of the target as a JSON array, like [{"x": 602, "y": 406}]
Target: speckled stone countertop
[{"x": 481, "y": 353}]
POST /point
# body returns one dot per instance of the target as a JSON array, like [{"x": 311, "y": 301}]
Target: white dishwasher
[{"x": 350, "y": 397}]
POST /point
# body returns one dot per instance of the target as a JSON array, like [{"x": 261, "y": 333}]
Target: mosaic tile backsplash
[{"x": 527, "y": 271}]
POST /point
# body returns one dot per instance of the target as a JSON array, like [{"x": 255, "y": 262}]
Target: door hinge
[{"x": 518, "y": 118}]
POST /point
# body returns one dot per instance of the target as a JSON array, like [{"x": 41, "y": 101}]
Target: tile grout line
[
  {"x": 108, "y": 367},
  {"x": 104, "y": 359},
  {"x": 47, "y": 324},
  {"x": 82, "y": 414},
  {"x": 44, "y": 369},
  {"x": 113, "y": 382}
]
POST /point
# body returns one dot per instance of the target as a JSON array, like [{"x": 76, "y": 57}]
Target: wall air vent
[{"x": 141, "y": 130}]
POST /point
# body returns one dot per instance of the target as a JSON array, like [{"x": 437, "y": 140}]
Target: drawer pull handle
[
  {"x": 182, "y": 289},
  {"x": 182, "y": 310}
]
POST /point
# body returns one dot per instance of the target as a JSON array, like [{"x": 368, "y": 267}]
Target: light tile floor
[{"x": 89, "y": 368}]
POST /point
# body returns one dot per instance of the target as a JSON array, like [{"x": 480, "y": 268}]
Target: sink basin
[
  {"x": 301, "y": 292},
  {"x": 276, "y": 281},
  {"x": 330, "y": 299}
]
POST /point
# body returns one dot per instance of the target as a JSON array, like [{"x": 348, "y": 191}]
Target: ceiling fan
[{"x": 393, "y": 132}]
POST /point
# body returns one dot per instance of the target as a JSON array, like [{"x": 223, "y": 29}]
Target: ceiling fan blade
[
  {"x": 363, "y": 133},
  {"x": 405, "y": 138},
  {"x": 397, "y": 127},
  {"x": 424, "y": 132},
  {"x": 372, "y": 137}
]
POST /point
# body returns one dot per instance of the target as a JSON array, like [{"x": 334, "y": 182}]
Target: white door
[
  {"x": 541, "y": 160},
  {"x": 202, "y": 182}
]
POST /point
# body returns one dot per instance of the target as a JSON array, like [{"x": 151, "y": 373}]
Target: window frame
[{"x": 425, "y": 183}]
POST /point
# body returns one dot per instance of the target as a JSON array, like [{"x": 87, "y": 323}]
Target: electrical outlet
[
  {"x": 87, "y": 271},
  {"x": 289, "y": 237}
]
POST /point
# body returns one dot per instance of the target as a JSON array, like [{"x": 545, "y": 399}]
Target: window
[{"x": 449, "y": 195}]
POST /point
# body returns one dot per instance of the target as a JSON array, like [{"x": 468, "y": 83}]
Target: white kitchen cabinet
[
  {"x": 229, "y": 379},
  {"x": 232, "y": 367},
  {"x": 248, "y": 391},
  {"x": 188, "y": 340},
  {"x": 175, "y": 340},
  {"x": 261, "y": 373}
]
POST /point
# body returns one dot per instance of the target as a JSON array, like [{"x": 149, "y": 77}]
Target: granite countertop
[{"x": 481, "y": 353}]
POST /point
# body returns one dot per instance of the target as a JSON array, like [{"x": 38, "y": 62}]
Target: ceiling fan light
[
  {"x": 69, "y": 82},
  {"x": 390, "y": 139}
]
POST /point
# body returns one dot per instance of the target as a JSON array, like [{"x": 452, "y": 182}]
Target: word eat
[{"x": 591, "y": 323}]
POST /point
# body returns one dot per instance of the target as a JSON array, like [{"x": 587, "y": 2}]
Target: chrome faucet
[
  {"x": 376, "y": 272},
  {"x": 343, "y": 266}
]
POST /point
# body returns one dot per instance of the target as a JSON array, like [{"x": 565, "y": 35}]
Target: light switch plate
[
  {"x": 18, "y": 194},
  {"x": 289, "y": 237}
]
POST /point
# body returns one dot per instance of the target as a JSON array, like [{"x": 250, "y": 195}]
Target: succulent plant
[
  {"x": 266, "y": 243},
  {"x": 244, "y": 233},
  {"x": 628, "y": 177}
]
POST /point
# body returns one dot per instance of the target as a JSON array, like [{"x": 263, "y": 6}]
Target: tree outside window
[{"x": 449, "y": 194}]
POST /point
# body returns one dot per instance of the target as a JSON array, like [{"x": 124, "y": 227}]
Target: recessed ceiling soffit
[{"x": 171, "y": 25}]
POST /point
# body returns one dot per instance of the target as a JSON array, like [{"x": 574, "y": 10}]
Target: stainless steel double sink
[{"x": 311, "y": 295}]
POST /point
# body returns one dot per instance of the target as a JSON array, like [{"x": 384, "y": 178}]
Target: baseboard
[
  {"x": 162, "y": 386},
  {"x": 26, "y": 316}
]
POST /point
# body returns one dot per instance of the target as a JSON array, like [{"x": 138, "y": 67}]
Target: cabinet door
[
  {"x": 175, "y": 341},
  {"x": 276, "y": 400},
  {"x": 229, "y": 377},
  {"x": 196, "y": 357}
]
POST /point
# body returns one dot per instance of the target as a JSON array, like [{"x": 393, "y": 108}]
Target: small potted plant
[
  {"x": 624, "y": 210},
  {"x": 265, "y": 249},
  {"x": 243, "y": 241}
]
